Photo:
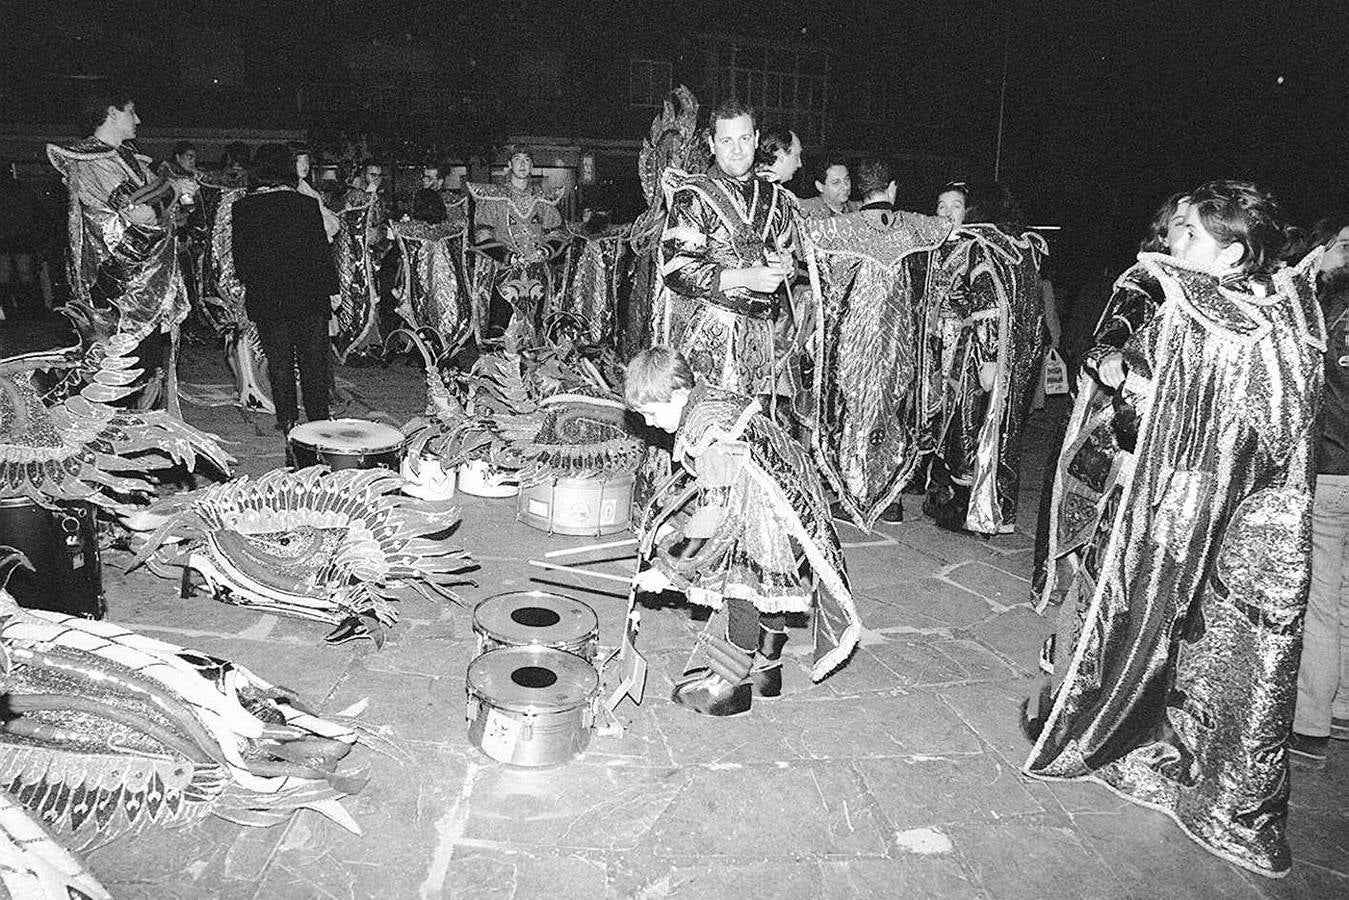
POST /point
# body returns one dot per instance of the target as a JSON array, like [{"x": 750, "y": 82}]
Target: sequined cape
[
  {"x": 768, "y": 506},
  {"x": 518, "y": 218},
  {"x": 1089, "y": 463},
  {"x": 983, "y": 305},
  {"x": 1179, "y": 694},
  {"x": 432, "y": 292},
  {"x": 120, "y": 255},
  {"x": 715, "y": 223},
  {"x": 243, "y": 345},
  {"x": 591, "y": 277},
  {"x": 865, "y": 354},
  {"x": 355, "y": 325}
]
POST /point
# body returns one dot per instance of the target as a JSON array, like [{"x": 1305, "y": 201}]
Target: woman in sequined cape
[
  {"x": 770, "y": 509},
  {"x": 984, "y": 307},
  {"x": 1179, "y": 693}
]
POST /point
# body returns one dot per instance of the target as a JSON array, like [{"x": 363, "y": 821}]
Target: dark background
[{"x": 1110, "y": 106}]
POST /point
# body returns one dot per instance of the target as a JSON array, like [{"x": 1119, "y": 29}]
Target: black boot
[{"x": 765, "y": 675}]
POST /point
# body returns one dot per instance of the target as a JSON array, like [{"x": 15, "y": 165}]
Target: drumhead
[
  {"x": 532, "y": 679},
  {"x": 535, "y": 617},
  {"x": 347, "y": 436}
]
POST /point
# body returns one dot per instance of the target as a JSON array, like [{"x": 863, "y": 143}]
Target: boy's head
[{"x": 657, "y": 385}]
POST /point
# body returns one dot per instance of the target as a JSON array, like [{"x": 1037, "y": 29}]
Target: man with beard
[
  {"x": 724, "y": 254},
  {"x": 1322, "y": 711}
]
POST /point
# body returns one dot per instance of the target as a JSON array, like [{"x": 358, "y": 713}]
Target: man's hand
[
  {"x": 1110, "y": 370},
  {"x": 651, "y": 581},
  {"x": 987, "y": 373},
  {"x": 764, "y": 279}
]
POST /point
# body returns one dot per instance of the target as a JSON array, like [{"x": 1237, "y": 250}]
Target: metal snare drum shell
[
  {"x": 537, "y": 619},
  {"x": 577, "y": 506},
  {"x": 347, "y": 444},
  {"x": 531, "y": 706}
]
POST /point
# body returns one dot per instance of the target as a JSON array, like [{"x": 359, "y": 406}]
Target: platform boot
[
  {"x": 765, "y": 674},
  {"x": 720, "y": 688}
]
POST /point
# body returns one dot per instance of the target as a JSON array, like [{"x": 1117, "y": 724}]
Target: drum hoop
[
  {"x": 583, "y": 696},
  {"x": 316, "y": 444},
  {"x": 571, "y": 604}
]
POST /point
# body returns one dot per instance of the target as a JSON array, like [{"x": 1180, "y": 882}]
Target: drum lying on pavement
[
  {"x": 347, "y": 444},
  {"x": 579, "y": 506},
  {"x": 531, "y": 706},
  {"x": 536, "y": 619}
]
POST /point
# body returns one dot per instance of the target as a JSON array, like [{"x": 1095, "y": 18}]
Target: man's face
[
  {"x": 123, "y": 121},
  {"x": 431, "y": 179},
  {"x": 373, "y": 176},
  {"x": 302, "y": 165},
  {"x": 1335, "y": 261},
  {"x": 522, "y": 166},
  {"x": 733, "y": 142},
  {"x": 836, "y": 187},
  {"x": 187, "y": 160},
  {"x": 1174, "y": 225},
  {"x": 951, "y": 207}
]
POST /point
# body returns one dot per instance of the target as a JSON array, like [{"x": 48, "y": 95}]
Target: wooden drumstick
[{"x": 587, "y": 573}]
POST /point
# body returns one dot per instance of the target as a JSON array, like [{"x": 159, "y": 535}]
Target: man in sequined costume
[
  {"x": 1179, "y": 693},
  {"x": 724, "y": 254}
]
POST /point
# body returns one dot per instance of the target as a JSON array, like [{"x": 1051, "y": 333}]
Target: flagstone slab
[
  {"x": 908, "y": 724},
  {"x": 939, "y": 877},
  {"x": 931, "y": 791}
]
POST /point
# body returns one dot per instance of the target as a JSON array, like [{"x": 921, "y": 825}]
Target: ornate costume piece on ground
[
  {"x": 575, "y": 435},
  {"x": 760, "y": 492},
  {"x": 983, "y": 306},
  {"x": 1097, "y": 446},
  {"x": 716, "y": 222},
  {"x": 108, "y": 733},
  {"x": 355, "y": 325},
  {"x": 243, "y": 346},
  {"x": 61, "y": 440},
  {"x": 1179, "y": 694},
  {"x": 671, "y": 144},
  {"x": 592, "y": 274},
  {"x": 338, "y": 547},
  {"x": 866, "y": 365},
  {"x": 432, "y": 292},
  {"x": 121, "y": 257}
]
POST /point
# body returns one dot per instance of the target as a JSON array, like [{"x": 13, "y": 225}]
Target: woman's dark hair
[
  {"x": 992, "y": 203},
  {"x": 93, "y": 109},
  {"x": 1239, "y": 212},
  {"x": 428, "y": 207},
  {"x": 273, "y": 165},
  {"x": 773, "y": 141},
  {"x": 1327, "y": 229},
  {"x": 182, "y": 147},
  {"x": 1155, "y": 239}
]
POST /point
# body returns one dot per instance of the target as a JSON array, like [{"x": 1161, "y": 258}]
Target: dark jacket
[
  {"x": 1333, "y": 458},
  {"x": 281, "y": 255}
]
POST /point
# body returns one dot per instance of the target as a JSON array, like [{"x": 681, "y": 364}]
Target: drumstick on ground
[
  {"x": 588, "y": 573},
  {"x": 574, "y": 551}
]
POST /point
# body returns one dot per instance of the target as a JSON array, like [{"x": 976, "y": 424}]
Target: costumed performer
[
  {"x": 725, "y": 251},
  {"x": 1179, "y": 693},
  {"x": 984, "y": 344},
  {"x": 123, "y": 255},
  {"x": 760, "y": 524}
]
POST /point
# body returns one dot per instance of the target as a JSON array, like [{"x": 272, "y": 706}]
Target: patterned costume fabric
[
  {"x": 432, "y": 292},
  {"x": 761, "y": 490},
  {"x": 590, "y": 281},
  {"x": 983, "y": 306},
  {"x": 714, "y": 223},
  {"x": 121, "y": 257},
  {"x": 1179, "y": 694},
  {"x": 339, "y": 547},
  {"x": 355, "y": 326},
  {"x": 61, "y": 440},
  {"x": 518, "y": 218},
  {"x": 866, "y": 357},
  {"x": 1097, "y": 445},
  {"x": 243, "y": 346},
  {"x": 109, "y": 733}
]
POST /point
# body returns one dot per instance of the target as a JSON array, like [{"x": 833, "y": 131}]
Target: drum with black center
[
  {"x": 536, "y": 619},
  {"x": 61, "y": 543},
  {"x": 531, "y": 706},
  {"x": 347, "y": 444}
]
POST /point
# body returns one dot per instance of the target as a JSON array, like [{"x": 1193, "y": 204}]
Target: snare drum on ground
[
  {"x": 577, "y": 506},
  {"x": 347, "y": 444},
  {"x": 61, "y": 544},
  {"x": 536, "y": 618},
  {"x": 531, "y": 706}
]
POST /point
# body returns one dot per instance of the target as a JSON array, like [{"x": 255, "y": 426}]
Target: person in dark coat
[{"x": 282, "y": 257}]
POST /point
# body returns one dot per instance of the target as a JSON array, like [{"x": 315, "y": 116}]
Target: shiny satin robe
[
  {"x": 760, "y": 505},
  {"x": 1179, "y": 693},
  {"x": 984, "y": 305},
  {"x": 716, "y": 222}
]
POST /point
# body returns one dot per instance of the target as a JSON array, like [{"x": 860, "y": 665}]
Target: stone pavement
[{"x": 896, "y": 777}]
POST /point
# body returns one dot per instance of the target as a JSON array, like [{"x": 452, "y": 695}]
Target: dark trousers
[
  {"x": 743, "y": 621},
  {"x": 302, "y": 342}
]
